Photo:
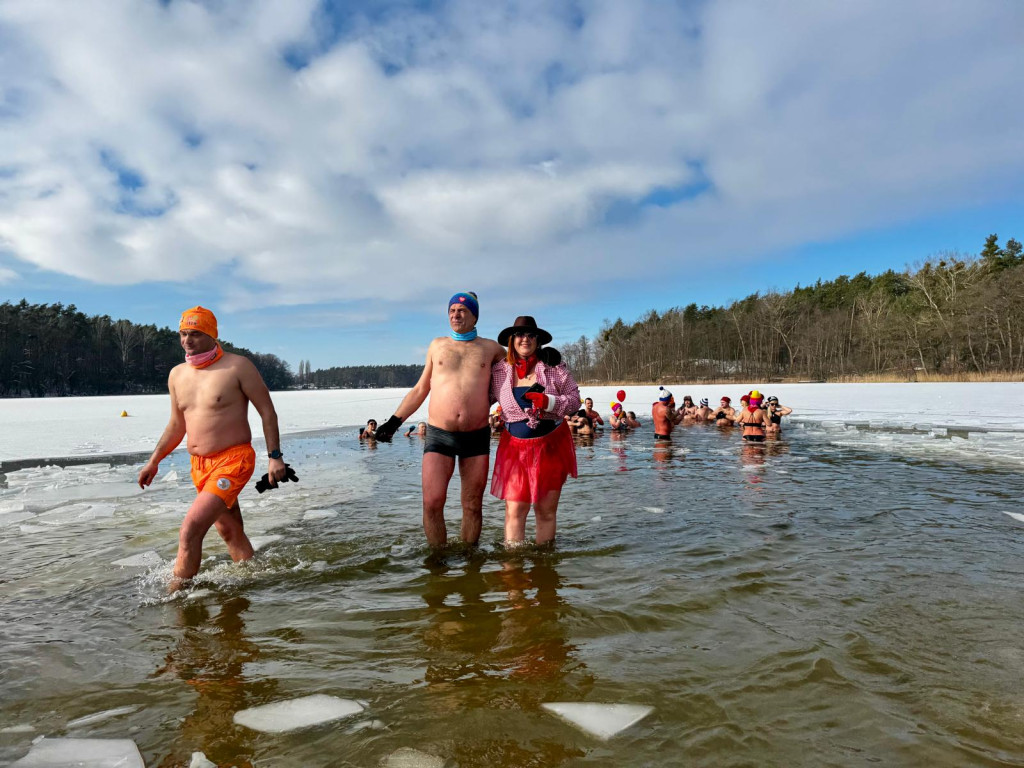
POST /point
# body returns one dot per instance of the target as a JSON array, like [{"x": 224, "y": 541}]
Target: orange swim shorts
[{"x": 224, "y": 474}]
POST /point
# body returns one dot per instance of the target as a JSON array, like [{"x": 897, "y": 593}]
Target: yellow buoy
[{"x": 123, "y": 414}]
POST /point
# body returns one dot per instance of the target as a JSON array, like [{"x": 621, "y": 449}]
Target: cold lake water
[{"x": 848, "y": 595}]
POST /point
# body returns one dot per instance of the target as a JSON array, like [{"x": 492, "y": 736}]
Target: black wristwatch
[{"x": 276, "y": 454}]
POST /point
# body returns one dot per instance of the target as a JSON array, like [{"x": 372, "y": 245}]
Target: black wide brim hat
[{"x": 524, "y": 323}]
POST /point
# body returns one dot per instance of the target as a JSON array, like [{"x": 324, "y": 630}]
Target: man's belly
[
  {"x": 459, "y": 413},
  {"x": 212, "y": 433}
]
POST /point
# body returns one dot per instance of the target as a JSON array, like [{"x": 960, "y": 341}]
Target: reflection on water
[
  {"x": 805, "y": 601},
  {"x": 209, "y": 657}
]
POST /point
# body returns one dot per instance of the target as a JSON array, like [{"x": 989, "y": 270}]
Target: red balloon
[{"x": 621, "y": 395}]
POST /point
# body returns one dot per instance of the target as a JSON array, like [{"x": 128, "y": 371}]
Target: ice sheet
[
  {"x": 600, "y": 720},
  {"x": 284, "y": 716},
  {"x": 82, "y": 753},
  {"x": 57, "y": 427}
]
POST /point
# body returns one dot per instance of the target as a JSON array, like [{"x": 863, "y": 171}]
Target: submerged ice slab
[
  {"x": 259, "y": 542},
  {"x": 407, "y": 757},
  {"x": 141, "y": 560},
  {"x": 601, "y": 720},
  {"x": 82, "y": 753},
  {"x": 283, "y": 716},
  {"x": 99, "y": 717}
]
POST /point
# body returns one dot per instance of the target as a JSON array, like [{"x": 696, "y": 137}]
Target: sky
[{"x": 325, "y": 174}]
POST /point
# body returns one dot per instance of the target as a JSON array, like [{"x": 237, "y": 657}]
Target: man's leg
[
  {"x": 515, "y": 521},
  {"x": 473, "y": 473},
  {"x": 200, "y": 516},
  {"x": 544, "y": 512},
  {"x": 437, "y": 472},
  {"x": 232, "y": 530}
]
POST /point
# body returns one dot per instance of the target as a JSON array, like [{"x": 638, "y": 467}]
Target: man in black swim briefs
[{"x": 457, "y": 376}]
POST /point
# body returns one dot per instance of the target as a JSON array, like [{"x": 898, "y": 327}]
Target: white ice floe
[
  {"x": 82, "y": 753},
  {"x": 10, "y": 518},
  {"x": 142, "y": 560},
  {"x": 99, "y": 717},
  {"x": 600, "y": 720},
  {"x": 284, "y": 716},
  {"x": 407, "y": 757},
  {"x": 21, "y": 728},
  {"x": 199, "y": 760},
  {"x": 319, "y": 514},
  {"x": 1016, "y": 516},
  {"x": 259, "y": 542},
  {"x": 653, "y": 510}
]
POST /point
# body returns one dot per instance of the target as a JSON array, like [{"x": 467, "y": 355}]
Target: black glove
[
  {"x": 549, "y": 356},
  {"x": 387, "y": 430},
  {"x": 263, "y": 484}
]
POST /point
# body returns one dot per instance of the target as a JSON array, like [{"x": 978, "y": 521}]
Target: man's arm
[
  {"x": 411, "y": 402},
  {"x": 256, "y": 392},
  {"x": 173, "y": 434}
]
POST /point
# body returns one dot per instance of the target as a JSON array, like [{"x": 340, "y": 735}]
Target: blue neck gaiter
[{"x": 468, "y": 336}]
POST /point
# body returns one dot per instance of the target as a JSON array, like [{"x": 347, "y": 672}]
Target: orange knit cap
[{"x": 199, "y": 319}]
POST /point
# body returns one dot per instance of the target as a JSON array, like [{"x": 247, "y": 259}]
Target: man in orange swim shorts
[{"x": 210, "y": 396}]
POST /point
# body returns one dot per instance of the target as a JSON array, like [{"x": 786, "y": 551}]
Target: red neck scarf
[
  {"x": 205, "y": 359},
  {"x": 523, "y": 366},
  {"x": 752, "y": 408}
]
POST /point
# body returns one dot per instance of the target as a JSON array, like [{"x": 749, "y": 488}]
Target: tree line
[
  {"x": 953, "y": 314},
  {"x": 52, "y": 349}
]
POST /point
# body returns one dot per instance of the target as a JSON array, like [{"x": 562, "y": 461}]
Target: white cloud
[{"x": 425, "y": 151}]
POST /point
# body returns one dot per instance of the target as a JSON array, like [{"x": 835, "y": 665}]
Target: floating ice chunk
[
  {"x": 171, "y": 477},
  {"x": 10, "y": 518},
  {"x": 283, "y": 716},
  {"x": 22, "y": 728},
  {"x": 1016, "y": 516},
  {"x": 259, "y": 542},
  {"x": 199, "y": 760},
  {"x": 141, "y": 560},
  {"x": 407, "y": 757},
  {"x": 35, "y": 529},
  {"x": 595, "y": 519},
  {"x": 601, "y": 720},
  {"x": 197, "y": 594},
  {"x": 653, "y": 510},
  {"x": 99, "y": 717},
  {"x": 11, "y": 506},
  {"x": 319, "y": 514},
  {"x": 82, "y": 753},
  {"x": 368, "y": 725}
]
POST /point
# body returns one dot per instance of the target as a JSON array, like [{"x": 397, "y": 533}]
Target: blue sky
[{"x": 324, "y": 175}]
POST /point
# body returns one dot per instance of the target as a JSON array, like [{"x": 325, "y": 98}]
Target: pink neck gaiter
[{"x": 206, "y": 358}]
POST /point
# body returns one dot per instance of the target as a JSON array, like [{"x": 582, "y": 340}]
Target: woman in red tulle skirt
[{"x": 536, "y": 451}]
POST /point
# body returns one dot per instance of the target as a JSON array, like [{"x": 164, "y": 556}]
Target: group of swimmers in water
[{"x": 759, "y": 417}]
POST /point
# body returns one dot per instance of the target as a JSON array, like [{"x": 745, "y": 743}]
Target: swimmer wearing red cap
[
  {"x": 210, "y": 396},
  {"x": 725, "y": 414}
]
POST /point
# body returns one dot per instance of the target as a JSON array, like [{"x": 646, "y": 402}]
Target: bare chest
[
  {"x": 207, "y": 390},
  {"x": 459, "y": 359}
]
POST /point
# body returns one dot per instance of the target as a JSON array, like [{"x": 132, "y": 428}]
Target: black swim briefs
[
  {"x": 754, "y": 438},
  {"x": 662, "y": 437},
  {"x": 461, "y": 445}
]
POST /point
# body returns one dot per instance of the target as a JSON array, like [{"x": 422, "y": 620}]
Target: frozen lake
[{"x": 846, "y": 595}]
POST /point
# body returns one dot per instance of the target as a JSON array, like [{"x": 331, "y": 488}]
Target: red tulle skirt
[{"x": 527, "y": 469}]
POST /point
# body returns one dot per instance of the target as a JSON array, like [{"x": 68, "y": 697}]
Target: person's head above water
[
  {"x": 463, "y": 314},
  {"x": 197, "y": 332},
  {"x": 664, "y": 395}
]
